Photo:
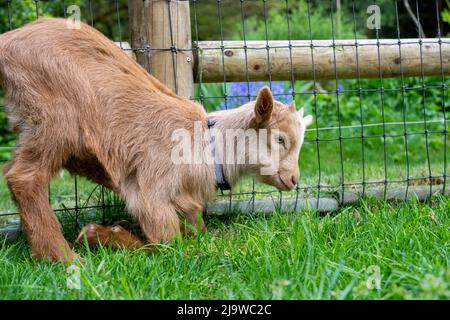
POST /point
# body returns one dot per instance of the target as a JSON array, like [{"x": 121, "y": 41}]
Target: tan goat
[{"x": 78, "y": 102}]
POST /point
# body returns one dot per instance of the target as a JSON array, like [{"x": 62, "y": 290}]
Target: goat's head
[{"x": 284, "y": 130}]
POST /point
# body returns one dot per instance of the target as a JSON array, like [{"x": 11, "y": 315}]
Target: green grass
[{"x": 278, "y": 256}]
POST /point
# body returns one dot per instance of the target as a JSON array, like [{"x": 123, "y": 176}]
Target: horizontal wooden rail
[{"x": 319, "y": 59}]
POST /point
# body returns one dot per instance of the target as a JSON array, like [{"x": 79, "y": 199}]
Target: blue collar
[{"x": 221, "y": 182}]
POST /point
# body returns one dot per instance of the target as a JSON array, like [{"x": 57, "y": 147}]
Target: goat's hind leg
[{"x": 28, "y": 176}]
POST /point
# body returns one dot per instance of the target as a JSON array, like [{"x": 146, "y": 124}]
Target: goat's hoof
[{"x": 114, "y": 236}]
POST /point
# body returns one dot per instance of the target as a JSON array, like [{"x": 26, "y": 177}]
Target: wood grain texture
[
  {"x": 162, "y": 30},
  {"x": 343, "y": 60},
  {"x": 138, "y": 13}
]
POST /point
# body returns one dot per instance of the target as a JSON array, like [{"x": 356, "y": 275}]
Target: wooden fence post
[
  {"x": 162, "y": 29},
  {"x": 138, "y": 13}
]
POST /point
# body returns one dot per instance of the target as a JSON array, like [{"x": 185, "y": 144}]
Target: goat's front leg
[
  {"x": 191, "y": 216},
  {"x": 157, "y": 218},
  {"x": 118, "y": 237},
  {"x": 159, "y": 224},
  {"x": 191, "y": 223}
]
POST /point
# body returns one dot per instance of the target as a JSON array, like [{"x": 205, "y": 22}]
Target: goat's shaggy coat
[{"x": 78, "y": 102}]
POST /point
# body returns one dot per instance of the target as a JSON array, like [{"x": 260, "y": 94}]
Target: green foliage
[
  {"x": 215, "y": 22},
  {"x": 232, "y": 13},
  {"x": 6, "y": 136},
  {"x": 14, "y": 13},
  {"x": 104, "y": 14},
  {"x": 321, "y": 22},
  {"x": 445, "y": 13},
  {"x": 375, "y": 102}
]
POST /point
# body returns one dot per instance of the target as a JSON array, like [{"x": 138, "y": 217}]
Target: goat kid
[{"x": 78, "y": 102}]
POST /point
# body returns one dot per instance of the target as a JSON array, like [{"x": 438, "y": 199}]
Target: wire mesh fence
[{"x": 372, "y": 73}]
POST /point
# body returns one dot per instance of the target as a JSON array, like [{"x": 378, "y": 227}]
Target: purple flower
[{"x": 239, "y": 93}]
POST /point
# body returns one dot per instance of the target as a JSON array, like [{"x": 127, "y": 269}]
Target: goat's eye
[{"x": 280, "y": 140}]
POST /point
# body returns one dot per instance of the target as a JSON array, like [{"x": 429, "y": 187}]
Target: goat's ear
[
  {"x": 292, "y": 107},
  {"x": 307, "y": 120},
  {"x": 264, "y": 105}
]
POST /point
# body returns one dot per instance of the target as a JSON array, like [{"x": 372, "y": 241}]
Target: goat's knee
[
  {"x": 191, "y": 223},
  {"x": 159, "y": 223}
]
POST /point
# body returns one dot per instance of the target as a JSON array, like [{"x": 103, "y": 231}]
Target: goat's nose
[{"x": 294, "y": 180}]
